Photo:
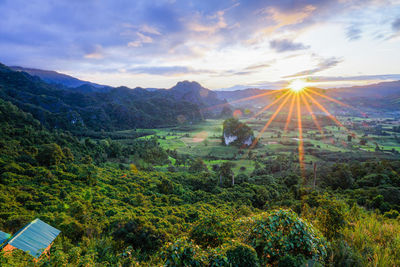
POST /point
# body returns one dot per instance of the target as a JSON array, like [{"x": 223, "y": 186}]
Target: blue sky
[{"x": 221, "y": 44}]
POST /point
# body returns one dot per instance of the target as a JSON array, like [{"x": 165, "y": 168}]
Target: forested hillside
[{"x": 119, "y": 108}]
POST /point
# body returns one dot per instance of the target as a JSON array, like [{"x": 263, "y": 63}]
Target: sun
[{"x": 297, "y": 86}]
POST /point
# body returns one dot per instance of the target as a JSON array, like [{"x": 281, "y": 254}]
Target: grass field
[{"x": 204, "y": 140}]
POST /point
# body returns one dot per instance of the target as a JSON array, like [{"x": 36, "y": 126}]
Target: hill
[
  {"x": 379, "y": 90},
  {"x": 56, "y": 78},
  {"x": 118, "y": 108},
  {"x": 380, "y": 97}
]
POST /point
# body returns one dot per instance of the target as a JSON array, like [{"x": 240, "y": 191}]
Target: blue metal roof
[
  {"x": 3, "y": 237},
  {"x": 34, "y": 237}
]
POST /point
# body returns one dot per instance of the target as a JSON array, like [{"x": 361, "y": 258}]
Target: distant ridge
[{"x": 56, "y": 78}]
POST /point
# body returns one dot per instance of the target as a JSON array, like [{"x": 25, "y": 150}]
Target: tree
[
  {"x": 225, "y": 171},
  {"x": 237, "y": 133},
  {"x": 50, "y": 154},
  {"x": 69, "y": 157},
  {"x": 210, "y": 231},
  {"x": 280, "y": 233},
  {"x": 198, "y": 165}
]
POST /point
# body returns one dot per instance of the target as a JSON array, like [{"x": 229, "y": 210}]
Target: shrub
[
  {"x": 209, "y": 232},
  {"x": 183, "y": 253},
  {"x": 141, "y": 236},
  {"x": 50, "y": 154},
  {"x": 291, "y": 261},
  {"x": 282, "y": 232},
  {"x": 344, "y": 255},
  {"x": 242, "y": 255},
  {"x": 392, "y": 214}
]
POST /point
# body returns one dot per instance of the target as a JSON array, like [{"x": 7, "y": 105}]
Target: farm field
[{"x": 204, "y": 140}]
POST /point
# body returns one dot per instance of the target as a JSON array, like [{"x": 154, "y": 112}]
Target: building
[{"x": 34, "y": 238}]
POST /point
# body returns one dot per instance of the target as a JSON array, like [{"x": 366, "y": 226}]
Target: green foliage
[
  {"x": 119, "y": 108},
  {"x": 331, "y": 216},
  {"x": 198, "y": 165},
  {"x": 282, "y": 232},
  {"x": 113, "y": 209},
  {"x": 344, "y": 255},
  {"x": 242, "y": 255},
  {"x": 375, "y": 238},
  {"x": 210, "y": 231},
  {"x": 183, "y": 253},
  {"x": 140, "y": 235},
  {"x": 291, "y": 261},
  {"x": 50, "y": 154},
  {"x": 232, "y": 127}
]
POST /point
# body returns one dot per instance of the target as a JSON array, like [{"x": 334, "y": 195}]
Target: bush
[
  {"x": 209, "y": 231},
  {"x": 242, "y": 255},
  {"x": 282, "y": 232},
  {"x": 183, "y": 253},
  {"x": 291, "y": 261},
  {"x": 141, "y": 236},
  {"x": 50, "y": 154},
  {"x": 392, "y": 214},
  {"x": 344, "y": 255}
]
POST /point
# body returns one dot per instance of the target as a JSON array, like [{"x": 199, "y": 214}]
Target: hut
[
  {"x": 34, "y": 238},
  {"x": 3, "y": 237}
]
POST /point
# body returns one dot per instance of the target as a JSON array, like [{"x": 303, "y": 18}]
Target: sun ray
[
  {"x": 333, "y": 118},
  {"x": 271, "y": 119},
  {"x": 309, "y": 109},
  {"x": 329, "y": 98},
  {"x": 243, "y": 99},
  {"x": 289, "y": 117},
  {"x": 336, "y": 101},
  {"x": 300, "y": 129},
  {"x": 271, "y": 104}
]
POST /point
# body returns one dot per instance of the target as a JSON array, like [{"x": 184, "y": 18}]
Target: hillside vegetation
[{"x": 111, "y": 213}]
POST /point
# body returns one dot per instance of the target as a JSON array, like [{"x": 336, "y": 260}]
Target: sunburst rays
[
  {"x": 295, "y": 96},
  {"x": 298, "y": 98}
]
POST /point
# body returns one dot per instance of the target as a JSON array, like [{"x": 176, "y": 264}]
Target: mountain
[
  {"x": 118, "y": 108},
  {"x": 250, "y": 97},
  {"x": 193, "y": 92},
  {"x": 56, "y": 78},
  {"x": 379, "y": 90},
  {"x": 383, "y": 96},
  {"x": 240, "y": 94},
  {"x": 380, "y": 97}
]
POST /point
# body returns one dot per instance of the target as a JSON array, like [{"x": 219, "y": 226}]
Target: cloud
[
  {"x": 59, "y": 35},
  {"x": 141, "y": 39},
  {"x": 166, "y": 70},
  {"x": 285, "y": 45},
  {"x": 258, "y": 66},
  {"x": 260, "y": 85},
  {"x": 322, "y": 65},
  {"x": 396, "y": 25},
  {"x": 383, "y": 77},
  {"x": 353, "y": 33}
]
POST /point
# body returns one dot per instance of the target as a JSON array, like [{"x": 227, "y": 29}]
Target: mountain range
[
  {"x": 62, "y": 101},
  {"x": 59, "y": 106}
]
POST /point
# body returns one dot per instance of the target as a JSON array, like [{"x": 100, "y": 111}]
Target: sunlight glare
[{"x": 298, "y": 85}]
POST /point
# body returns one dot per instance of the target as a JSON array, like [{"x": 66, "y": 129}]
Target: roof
[
  {"x": 34, "y": 237},
  {"x": 3, "y": 237}
]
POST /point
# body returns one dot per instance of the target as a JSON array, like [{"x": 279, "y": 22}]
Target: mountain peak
[{"x": 185, "y": 85}]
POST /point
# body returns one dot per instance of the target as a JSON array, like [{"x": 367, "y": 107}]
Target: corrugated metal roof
[
  {"x": 34, "y": 238},
  {"x": 3, "y": 237}
]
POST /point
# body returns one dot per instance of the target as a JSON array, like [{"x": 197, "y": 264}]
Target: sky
[{"x": 229, "y": 44}]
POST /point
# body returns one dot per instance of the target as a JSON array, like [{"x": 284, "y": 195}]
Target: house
[{"x": 34, "y": 238}]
